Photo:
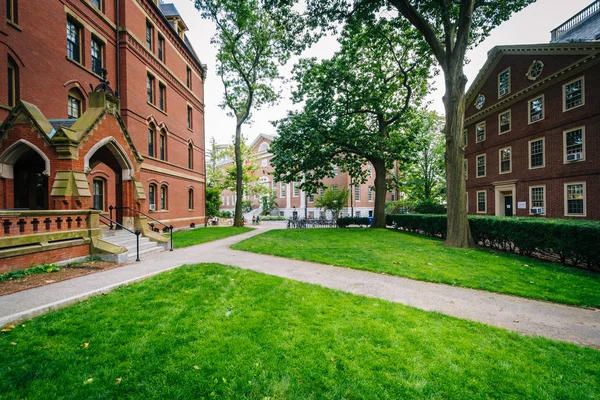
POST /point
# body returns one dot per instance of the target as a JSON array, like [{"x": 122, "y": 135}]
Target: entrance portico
[{"x": 504, "y": 198}]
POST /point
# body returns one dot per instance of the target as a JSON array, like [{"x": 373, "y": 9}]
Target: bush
[
  {"x": 360, "y": 221},
  {"x": 573, "y": 242},
  {"x": 225, "y": 214},
  {"x": 402, "y": 206},
  {"x": 430, "y": 207},
  {"x": 22, "y": 273},
  {"x": 272, "y": 218}
]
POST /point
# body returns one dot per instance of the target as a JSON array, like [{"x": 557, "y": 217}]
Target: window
[
  {"x": 149, "y": 35},
  {"x": 321, "y": 191},
  {"x": 13, "y": 83},
  {"x": 481, "y": 201},
  {"x": 480, "y": 132},
  {"x": 480, "y": 102},
  {"x": 504, "y": 83},
  {"x": 466, "y": 168},
  {"x": 97, "y": 54},
  {"x": 161, "y": 48},
  {"x": 536, "y": 153},
  {"x": 190, "y": 199},
  {"x": 370, "y": 170},
  {"x": 537, "y": 200},
  {"x": 189, "y": 118},
  {"x": 356, "y": 193},
  {"x": 263, "y": 146},
  {"x": 335, "y": 188},
  {"x": 96, "y": 3},
  {"x": 311, "y": 198},
  {"x": 281, "y": 189},
  {"x": 150, "y": 88},
  {"x": 504, "y": 122},
  {"x": 573, "y": 94},
  {"x": 481, "y": 166},
  {"x": 370, "y": 194},
  {"x": 162, "y": 91},
  {"x": 152, "y": 195},
  {"x": 574, "y": 145},
  {"x": 73, "y": 41},
  {"x": 536, "y": 109},
  {"x": 190, "y": 156},
  {"x": 264, "y": 162},
  {"x": 162, "y": 146},
  {"x": 151, "y": 134},
  {"x": 535, "y": 70},
  {"x": 188, "y": 77},
  {"x": 296, "y": 189},
  {"x": 357, "y": 213},
  {"x": 98, "y": 199},
  {"x": 11, "y": 10},
  {"x": 465, "y": 138},
  {"x": 163, "y": 197},
  {"x": 336, "y": 170},
  {"x": 575, "y": 199},
  {"x": 505, "y": 160},
  {"x": 74, "y": 104}
]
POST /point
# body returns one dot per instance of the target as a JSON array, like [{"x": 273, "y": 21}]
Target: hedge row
[
  {"x": 346, "y": 221},
  {"x": 573, "y": 242}
]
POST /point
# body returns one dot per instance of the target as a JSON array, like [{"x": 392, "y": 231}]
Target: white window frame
[
  {"x": 500, "y": 160},
  {"x": 566, "y": 209},
  {"x": 282, "y": 190},
  {"x": 296, "y": 192},
  {"x": 500, "y": 132},
  {"x": 531, "y": 199},
  {"x": 509, "y": 83},
  {"x": 564, "y": 93},
  {"x": 529, "y": 122},
  {"x": 582, "y": 144},
  {"x": 484, "y": 132},
  {"x": 484, "y": 201},
  {"x": 477, "y": 165},
  {"x": 264, "y": 163},
  {"x": 370, "y": 194},
  {"x": 543, "y": 139},
  {"x": 357, "y": 194}
]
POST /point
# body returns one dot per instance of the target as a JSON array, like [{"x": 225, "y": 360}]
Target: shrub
[
  {"x": 360, "y": 221},
  {"x": 573, "y": 242},
  {"x": 430, "y": 207},
  {"x": 272, "y": 218},
  {"x": 402, "y": 206},
  {"x": 22, "y": 273},
  {"x": 225, "y": 214}
]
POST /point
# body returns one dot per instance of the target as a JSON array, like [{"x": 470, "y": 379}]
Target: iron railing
[
  {"x": 119, "y": 226},
  {"x": 302, "y": 223},
  {"x": 576, "y": 19},
  {"x": 169, "y": 227}
]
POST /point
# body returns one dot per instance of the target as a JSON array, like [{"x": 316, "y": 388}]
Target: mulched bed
[{"x": 67, "y": 272}]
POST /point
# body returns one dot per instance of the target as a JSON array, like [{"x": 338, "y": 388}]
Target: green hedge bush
[
  {"x": 346, "y": 221},
  {"x": 572, "y": 242}
]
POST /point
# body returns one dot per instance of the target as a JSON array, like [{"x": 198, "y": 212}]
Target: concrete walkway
[{"x": 529, "y": 317}]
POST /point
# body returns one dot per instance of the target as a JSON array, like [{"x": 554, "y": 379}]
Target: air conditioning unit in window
[
  {"x": 152, "y": 207},
  {"x": 574, "y": 156},
  {"x": 537, "y": 210}
]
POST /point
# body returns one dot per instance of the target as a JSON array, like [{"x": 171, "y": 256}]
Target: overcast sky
[{"x": 531, "y": 25}]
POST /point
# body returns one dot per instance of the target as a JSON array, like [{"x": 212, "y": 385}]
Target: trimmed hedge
[
  {"x": 572, "y": 242},
  {"x": 346, "y": 221}
]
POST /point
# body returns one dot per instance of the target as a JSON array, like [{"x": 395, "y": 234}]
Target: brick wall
[{"x": 28, "y": 260}]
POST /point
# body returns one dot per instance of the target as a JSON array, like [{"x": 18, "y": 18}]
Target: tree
[
  {"x": 251, "y": 43},
  {"x": 269, "y": 203},
  {"x": 214, "y": 175},
  {"x": 358, "y": 107},
  {"x": 449, "y": 27},
  {"x": 213, "y": 202},
  {"x": 333, "y": 199},
  {"x": 249, "y": 181}
]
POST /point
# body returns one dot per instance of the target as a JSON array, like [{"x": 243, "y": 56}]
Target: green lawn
[
  {"x": 214, "y": 332},
  {"x": 422, "y": 258},
  {"x": 202, "y": 235}
]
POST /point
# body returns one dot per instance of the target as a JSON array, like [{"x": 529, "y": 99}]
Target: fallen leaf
[
  {"x": 88, "y": 381},
  {"x": 13, "y": 343},
  {"x": 85, "y": 345},
  {"x": 117, "y": 381},
  {"x": 8, "y": 328},
  {"x": 50, "y": 281},
  {"x": 196, "y": 367},
  {"x": 332, "y": 359}
]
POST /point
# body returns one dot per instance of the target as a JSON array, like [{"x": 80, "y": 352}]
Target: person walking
[{"x": 254, "y": 220}]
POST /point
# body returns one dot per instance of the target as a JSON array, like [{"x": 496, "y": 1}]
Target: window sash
[
  {"x": 190, "y": 199},
  {"x": 537, "y": 197},
  {"x": 481, "y": 202},
  {"x": 504, "y": 83},
  {"x": 536, "y": 109},
  {"x": 296, "y": 190},
  {"x": 152, "y": 194},
  {"x": 190, "y": 157},
  {"x": 537, "y": 153},
  {"x": 96, "y": 57},
  {"x": 161, "y": 97},
  {"x": 11, "y": 86},
  {"x": 357, "y": 193},
  {"x": 370, "y": 194},
  {"x": 575, "y": 197},
  {"x": 150, "y": 89},
  {"x": 574, "y": 141},
  {"x": 480, "y": 132},
  {"x": 73, "y": 39},
  {"x": 74, "y": 107},
  {"x": 505, "y": 122},
  {"x": 161, "y": 48},
  {"x": 505, "y": 160},
  {"x": 149, "y": 34},
  {"x": 151, "y": 142},
  {"x": 189, "y": 118},
  {"x": 162, "y": 147},
  {"x": 481, "y": 166},
  {"x": 281, "y": 189},
  {"x": 163, "y": 198},
  {"x": 574, "y": 94}
]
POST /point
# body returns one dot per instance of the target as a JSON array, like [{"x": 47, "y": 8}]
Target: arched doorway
[{"x": 31, "y": 183}]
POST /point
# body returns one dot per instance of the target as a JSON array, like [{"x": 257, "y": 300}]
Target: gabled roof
[
  {"x": 25, "y": 111},
  {"x": 261, "y": 136}
]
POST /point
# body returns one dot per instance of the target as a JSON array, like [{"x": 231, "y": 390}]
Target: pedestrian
[
  {"x": 257, "y": 219},
  {"x": 254, "y": 220}
]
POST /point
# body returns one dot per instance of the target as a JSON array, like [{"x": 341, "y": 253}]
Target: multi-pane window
[
  {"x": 97, "y": 48},
  {"x": 190, "y": 199},
  {"x": 481, "y": 198},
  {"x": 504, "y": 122},
  {"x": 311, "y": 198},
  {"x": 370, "y": 170},
  {"x": 190, "y": 156},
  {"x": 163, "y": 197},
  {"x": 150, "y": 89},
  {"x": 480, "y": 132},
  {"x": 98, "y": 199},
  {"x": 152, "y": 194},
  {"x": 73, "y": 105},
  {"x": 162, "y": 90},
  {"x": 466, "y": 168},
  {"x": 336, "y": 170},
  {"x": 296, "y": 189},
  {"x": 190, "y": 121},
  {"x": 149, "y": 35},
  {"x": 356, "y": 193},
  {"x": 188, "y": 77},
  {"x": 151, "y": 135},
  {"x": 574, "y": 141},
  {"x": 575, "y": 199},
  {"x": 504, "y": 82},
  {"x": 73, "y": 41},
  {"x": 481, "y": 166},
  {"x": 573, "y": 94},
  {"x": 13, "y": 83},
  {"x": 505, "y": 160},
  {"x": 536, "y": 153},
  {"x": 162, "y": 147},
  {"x": 536, "y": 109},
  {"x": 538, "y": 199},
  {"x": 282, "y": 189},
  {"x": 161, "y": 48},
  {"x": 11, "y": 10},
  {"x": 370, "y": 194}
]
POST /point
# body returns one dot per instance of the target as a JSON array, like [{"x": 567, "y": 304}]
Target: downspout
[{"x": 118, "y": 75}]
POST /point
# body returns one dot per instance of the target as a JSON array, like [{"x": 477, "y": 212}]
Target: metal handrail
[
  {"x": 170, "y": 227},
  {"x": 136, "y": 233}
]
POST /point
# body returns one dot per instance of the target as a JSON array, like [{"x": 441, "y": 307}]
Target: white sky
[{"x": 531, "y": 25}]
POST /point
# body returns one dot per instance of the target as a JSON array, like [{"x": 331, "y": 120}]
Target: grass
[
  {"x": 426, "y": 259},
  {"x": 202, "y": 235},
  {"x": 214, "y": 332}
]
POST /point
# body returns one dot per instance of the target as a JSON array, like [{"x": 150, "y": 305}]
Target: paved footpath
[{"x": 529, "y": 317}]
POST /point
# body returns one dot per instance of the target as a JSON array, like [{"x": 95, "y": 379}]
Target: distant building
[{"x": 532, "y": 126}]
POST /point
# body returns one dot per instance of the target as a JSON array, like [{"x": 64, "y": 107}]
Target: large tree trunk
[
  {"x": 380, "y": 192},
  {"x": 459, "y": 233},
  {"x": 239, "y": 190}
]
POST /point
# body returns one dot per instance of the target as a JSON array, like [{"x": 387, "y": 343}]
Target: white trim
[
  {"x": 529, "y": 122},
  {"x": 531, "y": 199},
  {"x": 564, "y": 94},
  {"x": 582, "y": 127},
  {"x": 543, "y": 139},
  {"x": 14, "y": 152},
  {"x": 484, "y": 132},
  {"x": 500, "y": 114},
  {"x": 477, "y": 202},
  {"x": 500, "y": 160},
  {"x": 566, "y": 209},
  {"x": 509, "y": 83},
  {"x": 477, "y": 166},
  {"x": 117, "y": 150},
  {"x": 499, "y": 193}
]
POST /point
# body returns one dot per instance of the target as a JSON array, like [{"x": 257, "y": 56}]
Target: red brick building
[
  {"x": 138, "y": 143},
  {"x": 532, "y": 127}
]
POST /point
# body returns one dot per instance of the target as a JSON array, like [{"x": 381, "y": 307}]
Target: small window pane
[
  {"x": 163, "y": 143},
  {"x": 96, "y": 3},
  {"x": 161, "y": 48}
]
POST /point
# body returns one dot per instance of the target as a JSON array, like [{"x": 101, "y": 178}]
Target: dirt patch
[{"x": 66, "y": 272}]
